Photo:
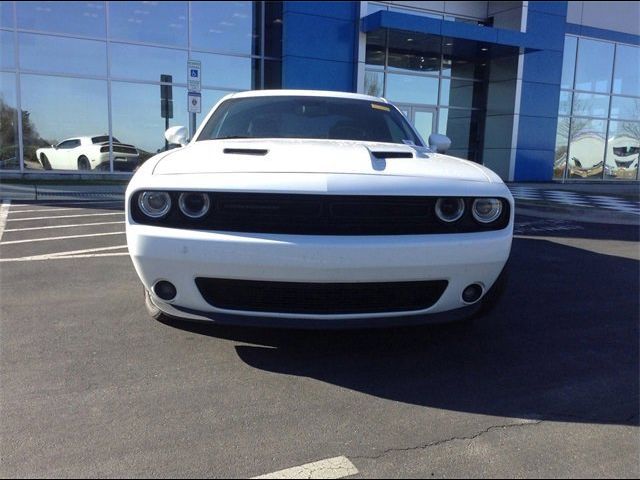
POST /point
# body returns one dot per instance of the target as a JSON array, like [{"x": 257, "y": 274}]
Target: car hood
[{"x": 316, "y": 156}]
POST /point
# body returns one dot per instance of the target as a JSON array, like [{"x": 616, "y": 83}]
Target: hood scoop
[
  {"x": 246, "y": 151},
  {"x": 384, "y": 155}
]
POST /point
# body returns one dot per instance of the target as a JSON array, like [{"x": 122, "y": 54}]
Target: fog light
[
  {"x": 472, "y": 293},
  {"x": 165, "y": 290}
]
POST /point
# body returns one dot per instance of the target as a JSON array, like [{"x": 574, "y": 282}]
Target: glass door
[{"x": 423, "y": 119}]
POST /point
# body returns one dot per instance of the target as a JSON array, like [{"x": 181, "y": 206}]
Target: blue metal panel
[
  {"x": 534, "y": 165},
  {"x": 304, "y": 40},
  {"x": 415, "y": 23},
  {"x": 547, "y": 29},
  {"x": 540, "y": 100},
  {"x": 552, "y": 8},
  {"x": 340, "y": 10},
  {"x": 603, "y": 34},
  {"x": 537, "y": 133},
  {"x": 320, "y": 45},
  {"x": 312, "y": 74},
  {"x": 543, "y": 66}
]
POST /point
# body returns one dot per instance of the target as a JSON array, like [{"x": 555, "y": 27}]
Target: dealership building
[{"x": 536, "y": 91}]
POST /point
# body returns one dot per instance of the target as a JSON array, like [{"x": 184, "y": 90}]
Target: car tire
[
  {"x": 45, "y": 162},
  {"x": 154, "y": 311},
  {"x": 83, "y": 163}
]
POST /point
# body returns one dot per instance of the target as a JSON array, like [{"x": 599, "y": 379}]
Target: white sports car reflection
[{"x": 88, "y": 153}]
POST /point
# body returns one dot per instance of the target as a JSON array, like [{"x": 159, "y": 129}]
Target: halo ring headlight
[
  {"x": 449, "y": 209},
  {"x": 194, "y": 204},
  {"x": 486, "y": 210},
  {"x": 154, "y": 204}
]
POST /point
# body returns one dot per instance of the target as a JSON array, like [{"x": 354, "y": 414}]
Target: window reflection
[
  {"x": 126, "y": 63},
  {"x": 414, "y": 51},
  {"x": 7, "y": 52},
  {"x": 9, "y": 123},
  {"x": 374, "y": 83},
  {"x": 412, "y": 89},
  {"x": 586, "y": 148},
  {"x": 625, "y": 108},
  {"x": 461, "y": 93},
  {"x": 225, "y": 27},
  {"x": 51, "y": 54},
  {"x": 623, "y": 150},
  {"x": 79, "y": 18},
  {"x": 137, "y": 120},
  {"x": 6, "y": 14},
  {"x": 562, "y": 147},
  {"x": 565, "y": 103},
  {"x": 58, "y": 109},
  {"x": 376, "y": 47},
  {"x": 224, "y": 71},
  {"x": 569, "y": 62},
  {"x": 590, "y": 105},
  {"x": 163, "y": 23},
  {"x": 464, "y": 59},
  {"x": 272, "y": 74},
  {"x": 273, "y": 29},
  {"x": 626, "y": 79},
  {"x": 463, "y": 128},
  {"x": 595, "y": 64}
]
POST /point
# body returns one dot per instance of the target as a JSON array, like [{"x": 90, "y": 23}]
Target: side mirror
[
  {"x": 439, "y": 143},
  {"x": 55, "y": 147},
  {"x": 178, "y": 134}
]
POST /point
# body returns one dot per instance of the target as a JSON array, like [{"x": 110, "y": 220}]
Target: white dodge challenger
[{"x": 312, "y": 209}]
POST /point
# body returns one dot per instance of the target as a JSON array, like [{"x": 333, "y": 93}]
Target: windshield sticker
[{"x": 380, "y": 107}]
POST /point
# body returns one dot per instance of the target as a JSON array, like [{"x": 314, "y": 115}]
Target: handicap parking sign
[{"x": 194, "y": 69}]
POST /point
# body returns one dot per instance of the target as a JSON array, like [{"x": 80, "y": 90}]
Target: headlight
[
  {"x": 486, "y": 210},
  {"x": 449, "y": 209},
  {"x": 154, "y": 204},
  {"x": 194, "y": 205}
]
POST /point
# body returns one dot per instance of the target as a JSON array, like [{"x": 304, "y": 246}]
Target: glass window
[
  {"x": 414, "y": 51},
  {"x": 461, "y": 93},
  {"x": 595, "y": 66},
  {"x": 623, "y": 150},
  {"x": 51, "y": 54},
  {"x": 226, "y": 27},
  {"x": 625, "y": 108},
  {"x": 58, "y": 109},
  {"x": 562, "y": 147},
  {"x": 209, "y": 99},
  {"x": 308, "y": 117},
  {"x": 163, "y": 23},
  {"x": 586, "y": 148},
  {"x": 224, "y": 71},
  {"x": 136, "y": 116},
  {"x": 590, "y": 105},
  {"x": 374, "y": 83},
  {"x": 7, "y": 52},
  {"x": 9, "y": 123},
  {"x": 412, "y": 89},
  {"x": 569, "y": 61},
  {"x": 462, "y": 127},
  {"x": 125, "y": 63},
  {"x": 272, "y": 74},
  {"x": 273, "y": 29},
  {"x": 464, "y": 60},
  {"x": 565, "y": 103},
  {"x": 77, "y": 18},
  {"x": 6, "y": 14},
  {"x": 375, "y": 52},
  {"x": 627, "y": 70}
]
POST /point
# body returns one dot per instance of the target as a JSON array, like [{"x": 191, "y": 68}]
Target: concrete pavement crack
[{"x": 441, "y": 442}]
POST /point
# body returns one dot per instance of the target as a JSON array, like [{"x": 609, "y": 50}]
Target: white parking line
[
  {"x": 64, "y": 216},
  {"x": 61, "y": 226},
  {"x": 30, "y": 240},
  {"x": 4, "y": 211},
  {"x": 86, "y": 253},
  {"x": 40, "y": 210},
  {"x": 337, "y": 467}
]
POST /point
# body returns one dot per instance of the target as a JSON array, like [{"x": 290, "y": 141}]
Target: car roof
[{"x": 305, "y": 93}]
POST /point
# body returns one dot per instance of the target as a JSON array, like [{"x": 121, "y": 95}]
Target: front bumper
[{"x": 181, "y": 256}]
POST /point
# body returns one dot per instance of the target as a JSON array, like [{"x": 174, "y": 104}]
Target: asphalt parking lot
[{"x": 547, "y": 386}]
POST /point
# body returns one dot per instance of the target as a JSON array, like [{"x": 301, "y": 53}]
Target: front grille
[
  {"x": 320, "y": 298},
  {"x": 307, "y": 214}
]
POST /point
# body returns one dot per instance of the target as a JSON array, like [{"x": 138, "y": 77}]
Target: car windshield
[
  {"x": 103, "y": 139},
  {"x": 309, "y": 117}
]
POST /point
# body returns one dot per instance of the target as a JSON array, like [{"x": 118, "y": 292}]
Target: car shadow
[{"x": 561, "y": 345}]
